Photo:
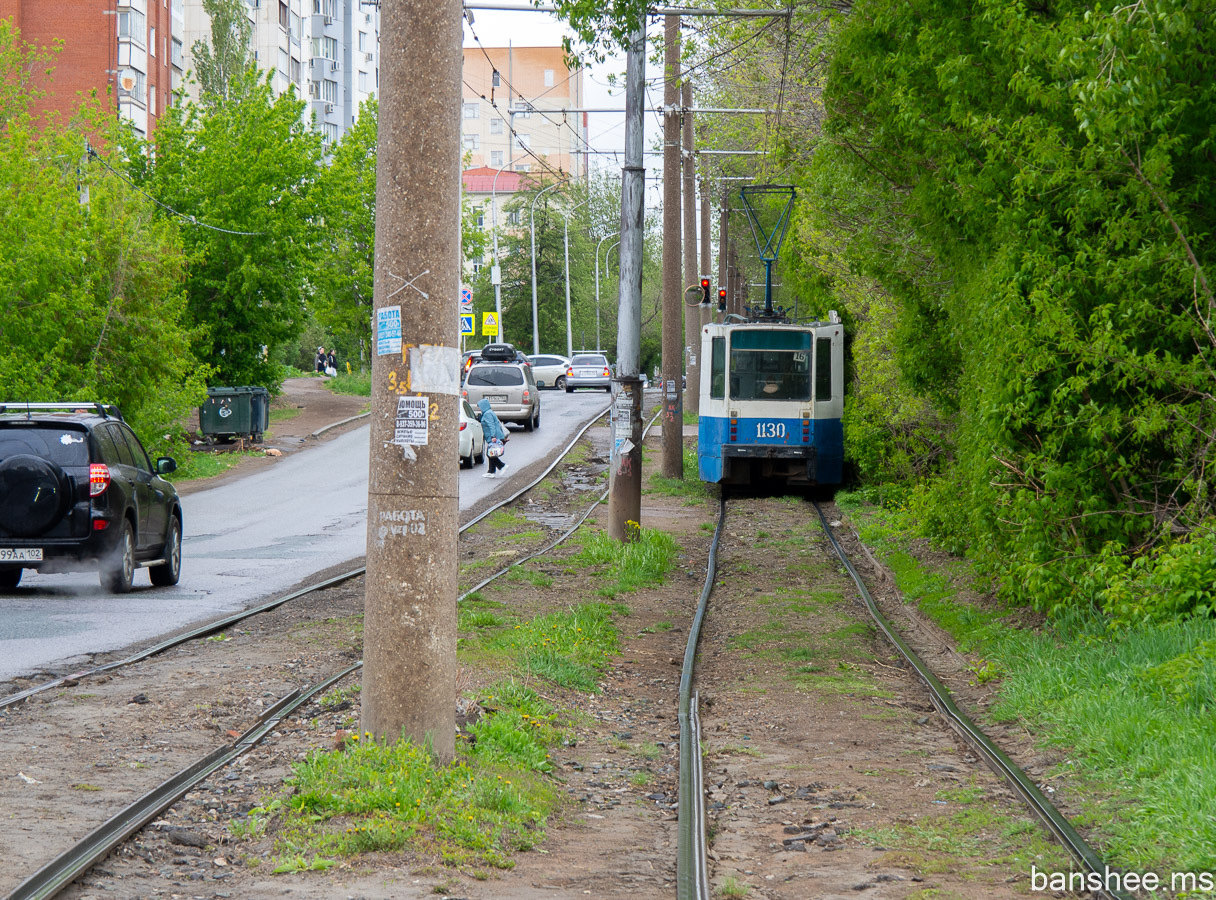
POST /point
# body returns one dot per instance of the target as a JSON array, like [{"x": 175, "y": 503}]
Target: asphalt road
[{"x": 245, "y": 541}]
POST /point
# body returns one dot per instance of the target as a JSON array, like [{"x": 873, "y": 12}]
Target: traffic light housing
[
  {"x": 705, "y": 291},
  {"x": 721, "y": 299}
]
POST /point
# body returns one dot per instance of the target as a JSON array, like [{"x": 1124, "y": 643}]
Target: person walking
[
  {"x": 331, "y": 362},
  {"x": 496, "y": 438},
  {"x": 321, "y": 360}
]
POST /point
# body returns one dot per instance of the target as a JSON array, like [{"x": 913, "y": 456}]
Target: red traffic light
[
  {"x": 721, "y": 299},
  {"x": 704, "y": 283}
]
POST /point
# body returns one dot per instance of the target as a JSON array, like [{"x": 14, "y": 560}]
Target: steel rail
[
  {"x": 68, "y": 866},
  {"x": 692, "y": 875},
  {"x": 997, "y": 760},
  {"x": 220, "y": 624},
  {"x": 562, "y": 537},
  {"x": 57, "y": 874}
]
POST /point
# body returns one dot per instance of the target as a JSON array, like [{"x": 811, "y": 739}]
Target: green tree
[
  {"x": 344, "y": 261},
  {"x": 243, "y": 172},
  {"x": 221, "y": 64},
  {"x": 91, "y": 302}
]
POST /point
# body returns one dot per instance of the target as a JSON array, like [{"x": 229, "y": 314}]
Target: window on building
[
  {"x": 481, "y": 217},
  {"x": 363, "y": 41},
  {"x": 152, "y": 42},
  {"x": 472, "y": 110},
  {"x": 496, "y": 79},
  {"x": 363, "y": 82},
  {"x": 132, "y": 25},
  {"x": 523, "y": 109},
  {"x": 322, "y": 7},
  {"x": 177, "y": 53},
  {"x": 297, "y": 27},
  {"x": 329, "y": 91},
  {"x": 513, "y": 217},
  {"x": 296, "y": 73},
  {"x": 523, "y": 141},
  {"x": 284, "y": 16},
  {"x": 284, "y": 64},
  {"x": 548, "y": 78},
  {"x": 496, "y": 126},
  {"x": 329, "y": 133},
  {"x": 523, "y": 167},
  {"x": 471, "y": 141},
  {"x": 496, "y": 158},
  {"x": 151, "y": 99},
  {"x": 476, "y": 267},
  {"x": 326, "y": 47}
]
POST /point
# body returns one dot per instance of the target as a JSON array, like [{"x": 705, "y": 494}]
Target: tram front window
[{"x": 770, "y": 365}]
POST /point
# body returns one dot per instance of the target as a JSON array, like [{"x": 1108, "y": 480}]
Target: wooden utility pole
[
  {"x": 673, "y": 282},
  {"x": 692, "y": 314},
  {"x": 724, "y": 248},
  {"x": 625, "y": 467},
  {"x": 706, "y": 312},
  {"x": 409, "y": 644}
]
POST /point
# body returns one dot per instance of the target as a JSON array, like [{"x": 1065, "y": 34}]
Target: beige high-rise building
[{"x": 522, "y": 91}]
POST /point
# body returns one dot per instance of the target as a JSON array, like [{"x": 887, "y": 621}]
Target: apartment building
[
  {"x": 515, "y": 110},
  {"x": 127, "y": 51},
  {"x": 328, "y": 50}
]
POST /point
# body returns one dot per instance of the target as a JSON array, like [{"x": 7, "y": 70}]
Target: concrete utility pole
[
  {"x": 409, "y": 646},
  {"x": 625, "y": 484},
  {"x": 692, "y": 315},
  {"x": 673, "y": 282},
  {"x": 532, "y": 221}
]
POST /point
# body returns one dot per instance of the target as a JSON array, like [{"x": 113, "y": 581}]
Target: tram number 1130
[{"x": 770, "y": 429}]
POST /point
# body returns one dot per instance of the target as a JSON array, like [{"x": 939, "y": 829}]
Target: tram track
[
  {"x": 693, "y": 850},
  {"x": 62, "y": 870},
  {"x": 694, "y": 853}
]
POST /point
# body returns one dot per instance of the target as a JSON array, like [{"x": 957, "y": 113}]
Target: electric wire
[{"x": 93, "y": 154}]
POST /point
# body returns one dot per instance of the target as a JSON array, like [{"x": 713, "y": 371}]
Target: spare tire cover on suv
[{"x": 34, "y": 494}]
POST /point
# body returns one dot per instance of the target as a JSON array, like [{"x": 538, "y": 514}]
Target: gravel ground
[{"x": 828, "y": 773}]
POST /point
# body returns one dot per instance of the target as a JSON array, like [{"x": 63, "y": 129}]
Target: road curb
[{"x": 322, "y": 430}]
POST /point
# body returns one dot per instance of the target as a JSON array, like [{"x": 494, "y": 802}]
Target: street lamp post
[
  {"x": 569, "y": 334},
  {"x": 495, "y": 269},
  {"x": 597, "y": 286},
  {"x": 532, "y": 222}
]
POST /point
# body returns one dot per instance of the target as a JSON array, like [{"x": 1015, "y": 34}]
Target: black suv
[{"x": 77, "y": 492}]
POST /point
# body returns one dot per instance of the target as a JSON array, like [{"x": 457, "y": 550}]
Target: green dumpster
[{"x": 235, "y": 412}]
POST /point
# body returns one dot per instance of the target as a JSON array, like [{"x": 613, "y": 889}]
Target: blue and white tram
[{"x": 772, "y": 395}]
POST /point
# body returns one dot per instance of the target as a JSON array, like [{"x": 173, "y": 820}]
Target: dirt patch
[{"x": 828, "y": 773}]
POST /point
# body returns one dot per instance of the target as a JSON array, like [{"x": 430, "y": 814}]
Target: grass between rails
[
  {"x": 494, "y": 799},
  {"x": 1133, "y": 707}
]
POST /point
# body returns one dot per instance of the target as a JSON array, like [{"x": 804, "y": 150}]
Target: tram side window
[
  {"x": 823, "y": 368},
  {"x": 717, "y": 378}
]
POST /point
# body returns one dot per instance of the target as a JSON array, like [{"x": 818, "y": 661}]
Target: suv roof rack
[{"x": 105, "y": 410}]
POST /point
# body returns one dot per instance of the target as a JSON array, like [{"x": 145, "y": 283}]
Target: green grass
[
  {"x": 193, "y": 464},
  {"x": 358, "y": 384},
  {"x": 569, "y": 648},
  {"x": 626, "y": 567},
  {"x": 488, "y": 803},
  {"x": 691, "y": 487},
  {"x": 1132, "y": 708},
  {"x": 283, "y": 415}
]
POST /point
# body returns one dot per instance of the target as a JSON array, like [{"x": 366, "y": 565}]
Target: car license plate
[
  {"x": 497, "y": 398},
  {"x": 588, "y": 373},
  {"x": 21, "y": 554}
]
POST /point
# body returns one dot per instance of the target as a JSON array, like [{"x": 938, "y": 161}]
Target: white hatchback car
[
  {"x": 472, "y": 438},
  {"x": 550, "y": 370}
]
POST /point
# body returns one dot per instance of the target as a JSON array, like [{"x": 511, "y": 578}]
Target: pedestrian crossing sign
[
  {"x": 489, "y": 324},
  {"x": 466, "y": 323}
]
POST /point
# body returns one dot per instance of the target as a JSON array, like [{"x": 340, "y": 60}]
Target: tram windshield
[{"x": 770, "y": 365}]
